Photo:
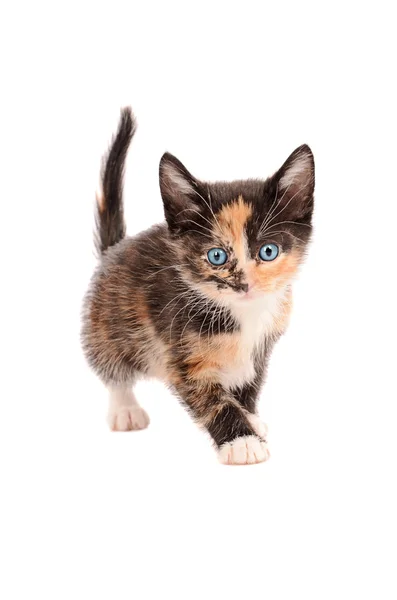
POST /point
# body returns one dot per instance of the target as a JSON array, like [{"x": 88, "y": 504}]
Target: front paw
[
  {"x": 257, "y": 425},
  {"x": 245, "y": 450}
]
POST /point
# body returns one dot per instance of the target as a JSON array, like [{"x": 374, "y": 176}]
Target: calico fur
[{"x": 156, "y": 306}]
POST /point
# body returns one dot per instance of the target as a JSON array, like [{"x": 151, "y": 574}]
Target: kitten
[{"x": 200, "y": 300}]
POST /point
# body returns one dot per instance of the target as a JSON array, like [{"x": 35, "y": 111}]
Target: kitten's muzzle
[{"x": 245, "y": 288}]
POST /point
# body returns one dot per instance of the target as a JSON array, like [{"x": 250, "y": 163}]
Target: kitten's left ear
[{"x": 295, "y": 183}]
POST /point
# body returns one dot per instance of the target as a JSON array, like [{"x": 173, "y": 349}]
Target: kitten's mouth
[{"x": 247, "y": 296}]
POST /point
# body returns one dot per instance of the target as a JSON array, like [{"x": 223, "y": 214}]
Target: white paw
[
  {"x": 127, "y": 418},
  {"x": 244, "y": 451},
  {"x": 257, "y": 425}
]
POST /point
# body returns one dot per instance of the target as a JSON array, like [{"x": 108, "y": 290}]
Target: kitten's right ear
[
  {"x": 180, "y": 192},
  {"x": 295, "y": 181}
]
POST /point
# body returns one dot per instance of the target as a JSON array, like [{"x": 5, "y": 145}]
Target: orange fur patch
[
  {"x": 100, "y": 198},
  {"x": 271, "y": 276},
  {"x": 281, "y": 322},
  {"x": 203, "y": 364},
  {"x": 207, "y": 358},
  {"x": 231, "y": 222}
]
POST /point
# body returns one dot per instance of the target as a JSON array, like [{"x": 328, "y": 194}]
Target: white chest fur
[{"x": 257, "y": 320}]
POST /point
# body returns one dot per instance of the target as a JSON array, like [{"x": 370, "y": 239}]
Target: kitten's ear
[
  {"x": 179, "y": 190},
  {"x": 295, "y": 183}
]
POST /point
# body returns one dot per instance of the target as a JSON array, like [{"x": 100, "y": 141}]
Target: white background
[{"x": 231, "y": 89}]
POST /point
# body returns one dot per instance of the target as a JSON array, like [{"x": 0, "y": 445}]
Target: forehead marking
[{"x": 231, "y": 222}]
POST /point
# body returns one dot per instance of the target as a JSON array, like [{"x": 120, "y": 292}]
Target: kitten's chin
[
  {"x": 246, "y": 299},
  {"x": 256, "y": 298},
  {"x": 253, "y": 294}
]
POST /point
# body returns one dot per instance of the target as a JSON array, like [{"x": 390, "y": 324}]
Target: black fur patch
[{"x": 228, "y": 425}]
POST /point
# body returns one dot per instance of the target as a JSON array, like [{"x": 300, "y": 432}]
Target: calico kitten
[{"x": 200, "y": 300}]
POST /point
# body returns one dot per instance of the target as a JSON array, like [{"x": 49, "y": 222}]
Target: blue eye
[
  {"x": 217, "y": 256},
  {"x": 268, "y": 252}
]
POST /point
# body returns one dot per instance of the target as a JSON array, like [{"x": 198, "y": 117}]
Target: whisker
[
  {"x": 176, "y": 314},
  {"x": 289, "y": 233},
  {"x": 196, "y": 212},
  {"x": 204, "y": 319},
  {"x": 197, "y": 224},
  {"x": 271, "y": 210},
  {"x": 221, "y": 280},
  {"x": 203, "y": 199},
  {"x": 209, "y": 205},
  {"x": 290, "y": 222},
  {"x": 210, "y": 237},
  {"x": 268, "y": 218},
  {"x": 289, "y": 201},
  {"x": 197, "y": 303},
  {"x": 213, "y": 321},
  {"x": 176, "y": 267},
  {"x": 173, "y": 299}
]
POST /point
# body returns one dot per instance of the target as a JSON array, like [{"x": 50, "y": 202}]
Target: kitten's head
[{"x": 242, "y": 239}]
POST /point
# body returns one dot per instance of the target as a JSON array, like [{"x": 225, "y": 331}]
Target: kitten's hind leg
[{"x": 125, "y": 414}]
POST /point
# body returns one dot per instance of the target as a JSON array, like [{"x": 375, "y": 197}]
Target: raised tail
[{"x": 110, "y": 224}]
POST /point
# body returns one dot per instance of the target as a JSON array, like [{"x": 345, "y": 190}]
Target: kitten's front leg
[
  {"x": 217, "y": 410},
  {"x": 247, "y": 397}
]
